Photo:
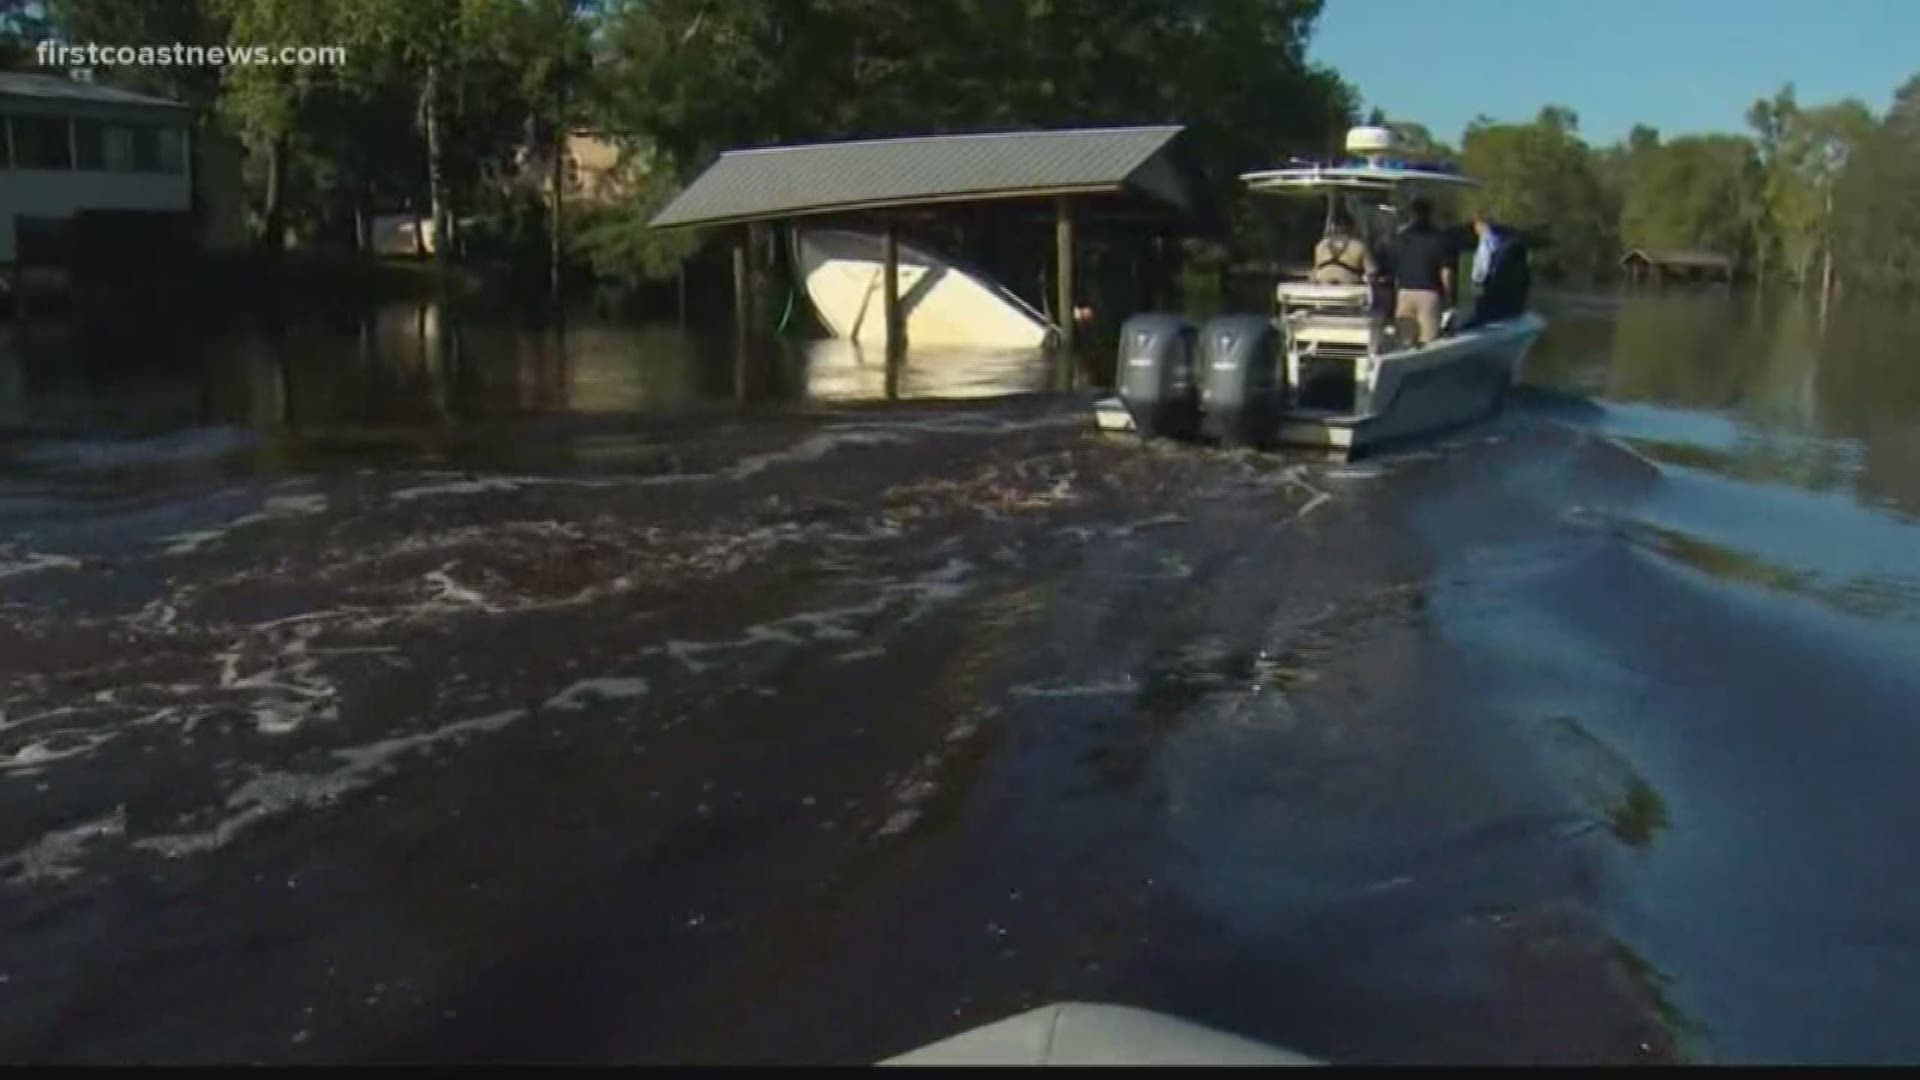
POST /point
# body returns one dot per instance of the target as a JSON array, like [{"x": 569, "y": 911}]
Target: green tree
[
  {"x": 147, "y": 22},
  {"x": 442, "y": 51},
  {"x": 1699, "y": 191},
  {"x": 1877, "y": 200},
  {"x": 267, "y": 104},
  {"x": 692, "y": 77},
  {"x": 1803, "y": 153},
  {"x": 1416, "y": 141},
  {"x": 552, "y": 41},
  {"x": 1543, "y": 179},
  {"x": 23, "y": 24}
]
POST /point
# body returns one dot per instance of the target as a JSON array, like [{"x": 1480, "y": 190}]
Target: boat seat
[
  {"x": 1312, "y": 296},
  {"x": 1307, "y": 328}
]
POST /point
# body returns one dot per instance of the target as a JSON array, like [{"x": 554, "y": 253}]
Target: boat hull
[
  {"x": 1081, "y": 1033},
  {"x": 942, "y": 304},
  {"x": 1454, "y": 381}
]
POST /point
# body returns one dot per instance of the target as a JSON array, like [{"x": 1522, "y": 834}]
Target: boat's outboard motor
[
  {"x": 1238, "y": 360},
  {"x": 1156, "y": 375}
]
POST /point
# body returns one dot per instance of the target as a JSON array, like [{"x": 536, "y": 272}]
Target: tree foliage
[
  {"x": 1877, "y": 200},
  {"x": 1696, "y": 192},
  {"x": 697, "y": 76},
  {"x": 460, "y": 108},
  {"x": 1541, "y": 178}
]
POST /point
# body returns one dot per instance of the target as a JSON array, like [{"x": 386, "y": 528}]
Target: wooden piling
[
  {"x": 1063, "y": 270},
  {"x": 741, "y": 314},
  {"x": 890, "y": 295},
  {"x": 759, "y": 259},
  {"x": 740, "y": 301}
]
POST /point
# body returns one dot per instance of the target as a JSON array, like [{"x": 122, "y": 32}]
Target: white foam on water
[
  {"x": 486, "y": 485},
  {"x": 664, "y": 479},
  {"x": 158, "y": 616},
  {"x": 450, "y": 593},
  {"x": 33, "y": 562},
  {"x": 277, "y": 507},
  {"x": 812, "y": 448},
  {"x": 375, "y": 756},
  {"x": 456, "y": 487},
  {"x": 489, "y": 484},
  {"x": 898, "y": 822},
  {"x": 871, "y": 433},
  {"x": 53, "y": 856},
  {"x": 1124, "y": 685},
  {"x": 588, "y": 691},
  {"x": 8, "y": 721},
  {"x": 51, "y": 747},
  {"x": 273, "y": 793},
  {"x": 1296, "y": 477},
  {"x": 687, "y": 651},
  {"x": 922, "y": 594},
  {"x": 287, "y": 690},
  {"x": 1131, "y": 527}
]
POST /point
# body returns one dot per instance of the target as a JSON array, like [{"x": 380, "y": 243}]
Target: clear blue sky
[{"x": 1679, "y": 65}]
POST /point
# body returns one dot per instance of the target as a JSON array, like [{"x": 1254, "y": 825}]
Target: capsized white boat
[
  {"x": 942, "y": 303},
  {"x": 1348, "y": 379}
]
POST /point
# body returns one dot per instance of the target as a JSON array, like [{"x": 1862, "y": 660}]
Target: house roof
[
  {"x": 21, "y": 84},
  {"x": 1681, "y": 257},
  {"x": 824, "y": 178}
]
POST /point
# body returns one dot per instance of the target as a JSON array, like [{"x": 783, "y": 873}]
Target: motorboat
[
  {"x": 943, "y": 303},
  {"x": 1333, "y": 373}
]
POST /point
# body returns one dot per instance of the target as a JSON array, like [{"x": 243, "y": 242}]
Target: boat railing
[{"x": 1329, "y": 321}]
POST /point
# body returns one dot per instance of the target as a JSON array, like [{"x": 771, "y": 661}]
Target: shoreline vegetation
[{"x": 458, "y": 113}]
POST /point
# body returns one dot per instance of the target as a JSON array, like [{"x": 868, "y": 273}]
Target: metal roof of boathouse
[
  {"x": 879, "y": 174},
  {"x": 1683, "y": 258},
  {"x": 23, "y": 86}
]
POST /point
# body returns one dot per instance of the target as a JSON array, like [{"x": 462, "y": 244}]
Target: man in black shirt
[{"x": 1423, "y": 260}]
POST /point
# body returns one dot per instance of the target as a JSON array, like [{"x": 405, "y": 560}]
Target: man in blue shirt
[
  {"x": 1490, "y": 238},
  {"x": 1501, "y": 276}
]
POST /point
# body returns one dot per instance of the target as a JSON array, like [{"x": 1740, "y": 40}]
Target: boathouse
[
  {"x": 1662, "y": 266},
  {"x": 1140, "y": 177}
]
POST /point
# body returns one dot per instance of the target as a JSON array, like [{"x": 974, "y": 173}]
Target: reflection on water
[
  {"x": 1756, "y": 387},
  {"x": 13, "y": 388},
  {"x": 411, "y": 365},
  {"x": 845, "y": 370}
]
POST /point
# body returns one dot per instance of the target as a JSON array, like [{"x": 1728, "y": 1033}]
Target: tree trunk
[
  {"x": 436, "y": 162},
  {"x": 1826, "y": 248},
  {"x": 555, "y": 209},
  {"x": 273, "y": 213}
]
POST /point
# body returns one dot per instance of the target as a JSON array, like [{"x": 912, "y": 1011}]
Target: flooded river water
[{"x": 378, "y": 690}]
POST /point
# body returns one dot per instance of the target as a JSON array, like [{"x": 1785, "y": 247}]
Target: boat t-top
[{"x": 1327, "y": 368}]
